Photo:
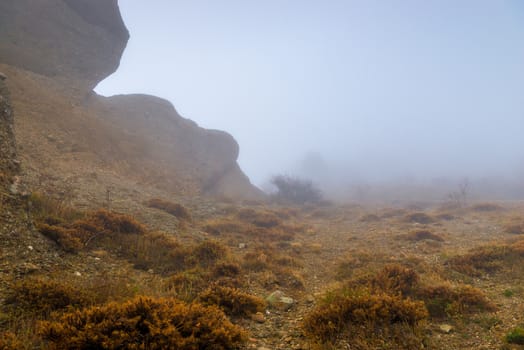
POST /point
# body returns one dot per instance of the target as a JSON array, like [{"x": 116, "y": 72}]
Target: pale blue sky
[{"x": 383, "y": 88}]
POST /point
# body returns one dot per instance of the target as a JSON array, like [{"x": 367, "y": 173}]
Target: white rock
[
  {"x": 445, "y": 328},
  {"x": 279, "y": 301},
  {"x": 78, "y": 274},
  {"x": 30, "y": 247}
]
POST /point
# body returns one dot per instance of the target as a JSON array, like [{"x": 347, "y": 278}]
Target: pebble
[
  {"x": 258, "y": 317},
  {"x": 78, "y": 274},
  {"x": 445, "y": 328}
]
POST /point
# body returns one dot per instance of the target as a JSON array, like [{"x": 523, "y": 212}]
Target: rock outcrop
[
  {"x": 55, "y": 52},
  {"x": 78, "y": 41}
]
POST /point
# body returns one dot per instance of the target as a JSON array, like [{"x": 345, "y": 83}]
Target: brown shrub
[
  {"x": 44, "y": 208},
  {"x": 207, "y": 253},
  {"x": 369, "y": 218},
  {"x": 66, "y": 238},
  {"x": 221, "y": 226},
  {"x": 232, "y": 301},
  {"x": 489, "y": 258},
  {"x": 518, "y": 248},
  {"x": 486, "y": 207},
  {"x": 258, "y": 229},
  {"x": 112, "y": 222},
  {"x": 175, "y": 209},
  {"x": 264, "y": 219},
  {"x": 514, "y": 228},
  {"x": 9, "y": 341},
  {"x": 419, "y": 218},
  {"x": 395, "y": 279},
  {"x": 226, "y": 269},
  {"x": 39, "y": 296},
  {"x": 419, "y": 235},
  {"x": 75, "y": 236},
  {"x": 157, "y": 251},
  {"x": 186, "y": 285},
  {"x": 443, "y": 300},
  {"x": 287, "y": 278},
  {"x": 143, "y": 323},
  {"x": 367, "y": 318},
  {"x": 256, "y": 261}
]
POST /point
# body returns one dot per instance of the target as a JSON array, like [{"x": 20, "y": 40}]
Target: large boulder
[
  {"x": 55, "y": 52},
  {"x": 78, "y": 41}
]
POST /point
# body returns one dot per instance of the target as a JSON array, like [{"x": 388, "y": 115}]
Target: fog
[{"x": 352, "y": 94}]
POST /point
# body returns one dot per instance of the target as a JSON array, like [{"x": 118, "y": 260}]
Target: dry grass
[
  {"x": 143, "y": 323},
  {"x": 379, "y": 321},
  {"x": 423, "y": 234},
  {"x": 419, "y": 218},
  {"x": 489, "y": 259},
  {"x": 445, "y": 300},
  {"x": 486, "y": 207},
  {"x": 232, "y": 301},
  {"x": 251, "y": 224},
  {"x": 175, "y": 209}
]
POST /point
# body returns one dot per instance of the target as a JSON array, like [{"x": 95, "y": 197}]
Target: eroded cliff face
[
  {"x": 78, "y": 41},
  {"x": 55, "y": 52}
]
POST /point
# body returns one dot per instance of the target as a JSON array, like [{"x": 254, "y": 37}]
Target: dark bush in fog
[{"x": 295, "y": 190}]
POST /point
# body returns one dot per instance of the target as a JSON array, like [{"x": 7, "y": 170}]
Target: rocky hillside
[
  {"x": 54, "y": 52},
  {"x": 8, "y": 162}
]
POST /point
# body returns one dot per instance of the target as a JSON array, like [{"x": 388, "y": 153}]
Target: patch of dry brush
[{"x": 143, "y": 323}]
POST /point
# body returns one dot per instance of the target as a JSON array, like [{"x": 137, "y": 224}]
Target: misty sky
[{"x": 375, "y": 88}]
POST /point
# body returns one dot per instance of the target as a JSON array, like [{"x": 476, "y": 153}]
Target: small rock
[
  {"x": 78, "y": 274},
  {"x": 3, "y": 76},
  {"x": 279, "y": 301},
  {"x": 30, "y": 247},
  {"x": 445, "y": 328},
  {"x": 258, "y": 317},
  {"x": 29, "y": 267},
  {"x": 150, "y": 271},
  {"x": 310, "y": 299},
  {"x": 242, "y": 245}
]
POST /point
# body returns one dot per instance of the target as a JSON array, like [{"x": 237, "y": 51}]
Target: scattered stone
[
  {"x": 242, "y": 245},
  {"x": 310, "y": 299},
  {"x": 30, "y": 247},
  {"x": 29, "y": 268},
  {"x": 78, "y": 274},
  {"x": 258, "y": 317},
  {"x": 445, "y": 328},
  {"x": 3, "y": 76},
  {"x": 280, "y": 301},
  {"x": 14, "y": 186}
]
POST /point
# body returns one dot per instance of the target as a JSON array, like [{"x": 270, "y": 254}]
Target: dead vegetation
[
  {"x": 175, "y": 209},
  {"x": 423, "y": 234},
  {"x": 392, "y": 287},
  {"x": 145, "y": 323}
]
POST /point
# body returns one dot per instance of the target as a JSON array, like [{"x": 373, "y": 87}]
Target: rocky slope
[
  {"x": 55, "y": 52},
  {"x": 22, "y": 250}
]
